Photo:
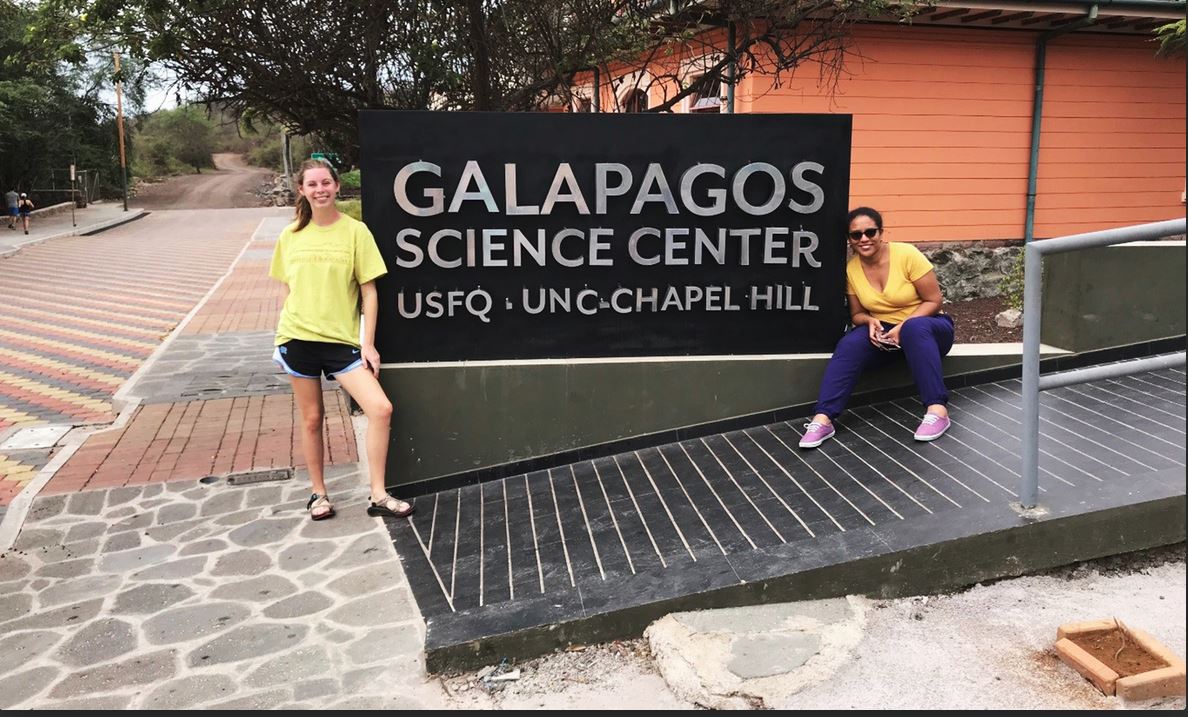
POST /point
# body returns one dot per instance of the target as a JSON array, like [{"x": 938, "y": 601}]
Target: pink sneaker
[
  {"x": 932, "y": 427},
  {"x": 815, "y": 434}
]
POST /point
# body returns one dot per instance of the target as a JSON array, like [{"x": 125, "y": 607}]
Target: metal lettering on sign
[{"x": 523, "y": 236}]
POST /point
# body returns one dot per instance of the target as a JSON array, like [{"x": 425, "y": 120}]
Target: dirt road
[{"x": 231, "y": 184}]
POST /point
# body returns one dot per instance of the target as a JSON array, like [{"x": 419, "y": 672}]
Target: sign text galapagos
[{"x": 756, "y": 189}]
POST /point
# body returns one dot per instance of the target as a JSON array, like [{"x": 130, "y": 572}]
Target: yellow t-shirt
[
  {"x": 899, "y": 298},
  {"x": 324, "y": 267}
]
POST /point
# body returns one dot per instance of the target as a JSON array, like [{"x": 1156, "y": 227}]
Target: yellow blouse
[{"x": 899, "y": 299}]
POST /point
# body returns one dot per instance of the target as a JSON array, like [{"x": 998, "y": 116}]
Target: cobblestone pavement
[
  {"x": 206, "y": 366},
  {"x": 188, "y": 595}
]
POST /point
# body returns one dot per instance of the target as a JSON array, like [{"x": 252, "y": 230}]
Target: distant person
[
  {"x": 12, "y": 200},
  {"x": 895, "y": 307},
  {"x": 329, "y": 262},
  {"x": 25, "y": 206}
]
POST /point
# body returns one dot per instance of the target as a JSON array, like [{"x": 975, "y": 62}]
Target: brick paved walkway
[
  {"x": 65, "y": 348},
  {"x": 190, "y": 440},
  {"x": 248, "y": 300},
  {"x": 82, "y": 313},
  {"x": 130, "y": 585},
  {"x": 242, "y": 426}
]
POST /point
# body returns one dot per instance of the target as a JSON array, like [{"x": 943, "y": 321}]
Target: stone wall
[
  {"x": 51, "y": 210},
  {"x": 972, "y": 272},
  {"x": 977, "y": 272}
]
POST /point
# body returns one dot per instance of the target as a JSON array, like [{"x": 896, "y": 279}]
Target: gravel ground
[
  {"x": 231, "y": 184},
  {"x": 617, "y": 675},
  {"x": 989, "y": 646}
]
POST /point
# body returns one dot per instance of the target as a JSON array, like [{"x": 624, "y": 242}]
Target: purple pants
[{"x": 923, "y": 340}]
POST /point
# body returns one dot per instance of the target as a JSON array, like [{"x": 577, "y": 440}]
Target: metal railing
[{"x": 1033, "y": 383}]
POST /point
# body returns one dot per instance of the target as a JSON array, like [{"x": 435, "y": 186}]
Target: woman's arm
[
  {"x": 930, "y": 295},
  {"x": 371, "y": 357},
  {"x": 930, "y": 303},
  {"x": 860, "y": 317}
]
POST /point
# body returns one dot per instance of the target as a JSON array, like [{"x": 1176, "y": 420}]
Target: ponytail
[{"x": 304, "y": 212}]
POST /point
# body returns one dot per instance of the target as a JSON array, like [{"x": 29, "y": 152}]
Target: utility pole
[
  {"x": 73, "y": 196},
  {"x": 287, "y": 160},
  {"x": 731, "y": 68},
  {"x": 73, "y": 162},
  {"x": 597, "y": 90},
  {"x": 120, "y": 127}
]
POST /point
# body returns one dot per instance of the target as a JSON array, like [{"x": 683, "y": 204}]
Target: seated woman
[{"x": 895, "y": 306}]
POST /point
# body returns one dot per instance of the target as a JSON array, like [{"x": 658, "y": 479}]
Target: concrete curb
[
  {"x": 18, "y": 509},
  {"x": 132, "y": 215},
  {"x": 938, "y": 565}
]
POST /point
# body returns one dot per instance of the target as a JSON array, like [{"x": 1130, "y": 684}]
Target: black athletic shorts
[{"x": 311, "y": 359}]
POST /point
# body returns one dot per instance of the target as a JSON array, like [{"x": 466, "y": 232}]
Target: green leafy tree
[
  {"x": 169, "y": 140},
  {"x": 192, "y": 136},
  {"x": 1171, "y": 38},
  {"x": 52, "y": 113},
  {"x": 311, "y": 68}
]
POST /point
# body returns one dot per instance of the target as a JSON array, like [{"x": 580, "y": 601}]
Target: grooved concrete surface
[{"x": 611, "y": 536}]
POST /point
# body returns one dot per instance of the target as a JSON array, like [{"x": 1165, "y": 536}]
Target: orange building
[{"x": 945, "y": 110}]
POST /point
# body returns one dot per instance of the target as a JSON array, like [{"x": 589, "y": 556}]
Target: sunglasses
[{"x": 869, "y": 233}]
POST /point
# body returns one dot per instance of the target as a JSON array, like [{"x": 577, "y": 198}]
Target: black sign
[{"x": 520, "y": 236}]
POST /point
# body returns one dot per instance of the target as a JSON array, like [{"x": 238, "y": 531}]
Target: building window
[
  {"x": 635, "y": 101},
  {"x": 706, "y": 95}
]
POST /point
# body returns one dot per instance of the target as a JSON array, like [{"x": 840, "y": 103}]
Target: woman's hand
[
  {"x": 892, "y": 337},
  {"x": 371, "y": 359},
  {"x": 876, "y": 330}
]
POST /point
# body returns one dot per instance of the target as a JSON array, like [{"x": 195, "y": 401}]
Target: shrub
[
  {"x": 172, "y": 141},
  {"x": 266, "y": 154},
  {"x": 351, "y": 207},
  {"x": 1012, "y": 283}
]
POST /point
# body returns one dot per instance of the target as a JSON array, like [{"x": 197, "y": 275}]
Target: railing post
[
  {"x": 1032, "y": 291},
  {"x": 1033, "y": 287}
]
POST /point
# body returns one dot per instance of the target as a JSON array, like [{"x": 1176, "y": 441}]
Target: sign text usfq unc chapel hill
[{"x": 536, "y": 235}]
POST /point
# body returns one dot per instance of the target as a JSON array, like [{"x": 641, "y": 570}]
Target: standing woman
[
  {"x": 895, "y": 307},
  {"x": 329, "y": 262},
  {"x": 25, "y": 206}
]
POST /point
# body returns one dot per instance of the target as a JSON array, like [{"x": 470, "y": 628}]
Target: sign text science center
[{"x": 524, "y": 236}]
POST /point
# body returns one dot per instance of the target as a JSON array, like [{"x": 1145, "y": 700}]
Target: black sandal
[{"x": 390, "y": 507}]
